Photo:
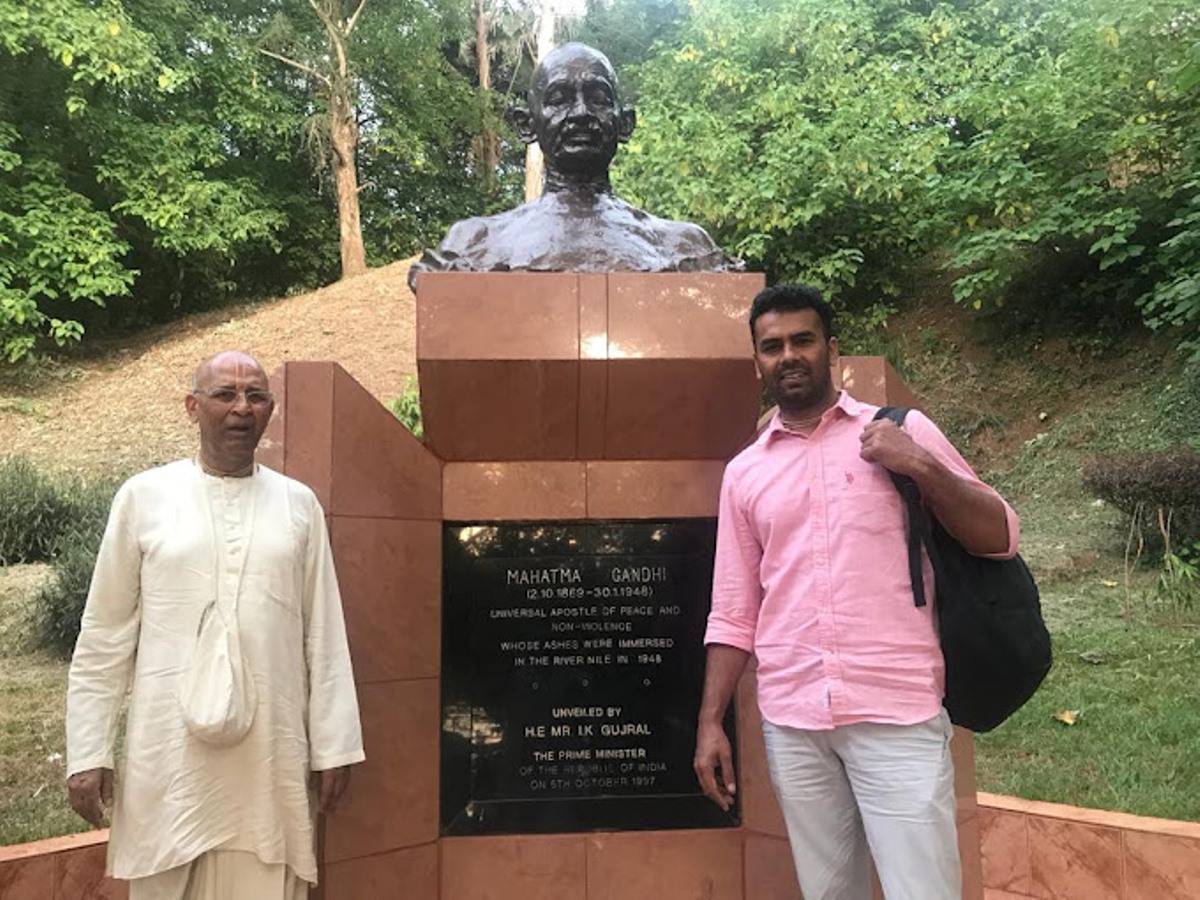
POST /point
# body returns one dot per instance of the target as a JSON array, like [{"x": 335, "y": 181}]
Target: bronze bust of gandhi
[{"x": 578, "y": 224}]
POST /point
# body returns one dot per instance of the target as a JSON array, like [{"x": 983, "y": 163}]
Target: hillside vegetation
[{"x": 117, "y": 406}]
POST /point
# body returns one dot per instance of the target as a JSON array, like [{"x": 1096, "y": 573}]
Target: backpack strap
[{"x": 918, "y": 522}]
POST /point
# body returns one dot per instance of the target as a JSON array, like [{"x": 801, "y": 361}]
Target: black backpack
[{"x": 995, "y": 644}]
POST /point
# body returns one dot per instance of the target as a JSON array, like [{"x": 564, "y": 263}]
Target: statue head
[
  {"x": 575, "y": 112},
  {"x": 578, "y": 224}
]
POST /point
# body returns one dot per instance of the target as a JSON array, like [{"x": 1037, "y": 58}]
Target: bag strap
[
  {"x": 229, "y": 614},
  {"x": 918, "y": 522}
]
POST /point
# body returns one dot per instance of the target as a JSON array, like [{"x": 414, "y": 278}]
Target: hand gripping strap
[{"x": 918, "y": 521}]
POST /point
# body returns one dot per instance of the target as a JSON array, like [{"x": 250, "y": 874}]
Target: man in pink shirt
[{"x": 811, "y": 577}]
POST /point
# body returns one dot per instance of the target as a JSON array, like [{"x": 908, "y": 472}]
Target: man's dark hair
[{"x": 792, "y": 298}]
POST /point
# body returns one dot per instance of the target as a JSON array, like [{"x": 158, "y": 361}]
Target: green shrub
[
  {"x": 407, "y": 408},
  {"x": 89, "y": 504},
  {"x": 1177, "y": 408},
  {"x": 1159, "y": 490},
  {"x": 58, "y": 607},
  {"x": 1154, "y": 479},
  {"x": 34, "y": 512},
  {"x": 1178, "y": 584}
]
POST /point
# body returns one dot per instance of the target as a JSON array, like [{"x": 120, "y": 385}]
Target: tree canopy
[
  {"x": 153, "y": 159},
  {"x": 1048, "y": 144},
  {"x": 158, "y": 156}
]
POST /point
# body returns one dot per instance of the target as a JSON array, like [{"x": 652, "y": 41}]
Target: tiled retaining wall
[
  {"x": 62, "y": 868},
  {"x": 1050, "y": 851},
  {"x": 1036, "y": 850}
]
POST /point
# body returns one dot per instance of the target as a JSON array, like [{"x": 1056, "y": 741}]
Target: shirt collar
[{"x": 846, "y": 406}]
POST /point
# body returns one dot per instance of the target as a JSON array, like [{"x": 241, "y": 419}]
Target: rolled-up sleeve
[
  {"x": 930, "y": 437},
  {"x": 737, "y": 586}
]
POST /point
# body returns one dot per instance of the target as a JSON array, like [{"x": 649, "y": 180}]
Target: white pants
[
  {"x": 221, "y": 875},
  {"x": 868, "y": 790}
]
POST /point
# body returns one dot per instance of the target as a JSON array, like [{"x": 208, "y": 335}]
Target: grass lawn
[
  {"x": 1134, "y": 685},
  {"x": 1127, "y": 664},
  {"x": 33, "y": 689}
]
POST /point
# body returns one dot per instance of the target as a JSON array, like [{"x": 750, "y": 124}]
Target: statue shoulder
[
  {"x": 691, "y": 247},
  {"x": 466, "y": 233},
  {"x": 461, "y": 250},
  {"x": 692, "y": 235}
]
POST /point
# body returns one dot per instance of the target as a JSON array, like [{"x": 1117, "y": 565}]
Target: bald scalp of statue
[{"x": 559, "y": 56}]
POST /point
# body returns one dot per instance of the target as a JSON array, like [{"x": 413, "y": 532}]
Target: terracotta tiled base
[
  {"x": 1047, "y": 851},
  {"x": 770, "y": 871},
  {"x": 1004, "y": 840},
  {"x": 387, "y": 546},
  {"x": 552, "y": 867},
  {"x": 631, "y": 366},
  {"x": 63, "y": 868},
  {"x": 665, "y": 865},
  {"x": 392, "y": 802},
  {"x": 28, "y": 879},
  {"x": 390, "y": 574},
  {"x": 399, "y": 875},
  {"x": 1072, "y": 861},
  {"x": 1160, "y": 865},
  {"x": 80, "y": 876}
]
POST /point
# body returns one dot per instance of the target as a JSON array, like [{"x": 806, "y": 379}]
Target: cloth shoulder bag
[{"x": 218, "y": 698}]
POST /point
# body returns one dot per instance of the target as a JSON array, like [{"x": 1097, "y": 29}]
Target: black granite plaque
[{"x": 572, "y": 669}]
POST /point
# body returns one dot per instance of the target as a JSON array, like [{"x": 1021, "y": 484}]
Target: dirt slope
[
  {"x": 120, "y": 408},
  {"x": 114, "y": 408}
]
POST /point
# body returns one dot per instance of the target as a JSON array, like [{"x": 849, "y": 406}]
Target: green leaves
[
  {"x": 96, "y": 42},
  {"x": 139, "y": 162},
  {"x": 1188, "y": 75},
  {"x": 838, "y": 142},
  {"x": 53, "y": 247},
  {"x": 1174, "y": 300},
  {"x": 807, "y": 136},
  {"x": 169, "y": 176}
]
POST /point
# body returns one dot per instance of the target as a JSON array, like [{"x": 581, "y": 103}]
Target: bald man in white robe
[{"x": 200, "y": 813}]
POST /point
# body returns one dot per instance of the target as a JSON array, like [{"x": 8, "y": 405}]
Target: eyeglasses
[{"x": 228, "y": 397}]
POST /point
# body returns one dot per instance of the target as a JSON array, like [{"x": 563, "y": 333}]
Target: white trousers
[
  {"x": 868, "y": 790},
  {"x": 221, "y": 875}
]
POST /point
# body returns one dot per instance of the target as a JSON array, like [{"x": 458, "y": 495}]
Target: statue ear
[
  {"x": 628, "y": 122},
  {"x": 521, "y": 119}
]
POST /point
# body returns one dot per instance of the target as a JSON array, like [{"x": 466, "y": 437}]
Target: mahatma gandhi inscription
[{"x": 571, "y": 677}]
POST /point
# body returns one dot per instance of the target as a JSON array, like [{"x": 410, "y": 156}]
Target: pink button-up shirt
[{"x": 811, "y": 576}]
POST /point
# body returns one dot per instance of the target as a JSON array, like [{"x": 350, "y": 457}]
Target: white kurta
[{"x": 175, "y": 537}]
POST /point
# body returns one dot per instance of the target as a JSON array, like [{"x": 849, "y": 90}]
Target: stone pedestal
[{"x": 545, "y": 397}]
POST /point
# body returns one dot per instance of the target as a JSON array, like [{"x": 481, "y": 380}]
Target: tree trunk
[
  {"x": 535, "y": 169},
  {"x": 489, "y": 141},
  {"x": 335, "y": 80},
  {"x": 343, "y": 133}
]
